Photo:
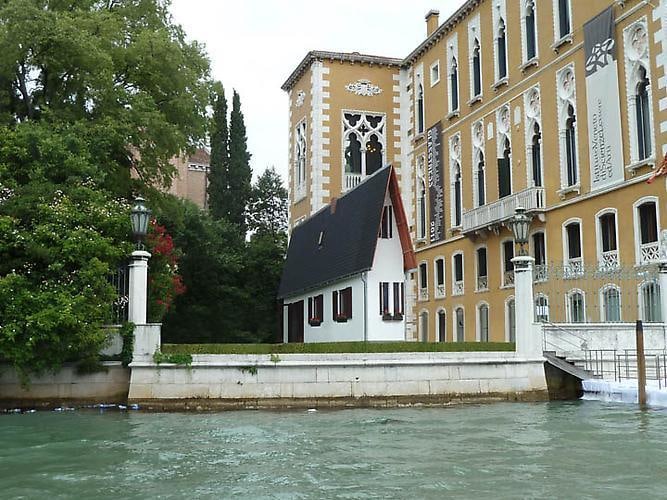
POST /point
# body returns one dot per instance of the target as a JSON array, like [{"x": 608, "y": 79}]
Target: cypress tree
[
  {"x": 240, "y": 174},
  {"x": 218, "y": 186}
]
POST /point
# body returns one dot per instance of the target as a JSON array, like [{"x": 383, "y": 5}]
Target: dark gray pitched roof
[{"x": 349, "y": 238}]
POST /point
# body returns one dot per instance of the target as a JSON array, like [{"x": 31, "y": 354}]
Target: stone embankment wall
[
  {"x": 65, "y": 387},
  {"x": 570, "y": 338},
  {"x": 334, "y": 380}
]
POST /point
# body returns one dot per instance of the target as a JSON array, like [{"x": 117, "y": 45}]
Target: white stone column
[
  {"x": 528, "y": 338},
  {"x": 138, "y": 287}
]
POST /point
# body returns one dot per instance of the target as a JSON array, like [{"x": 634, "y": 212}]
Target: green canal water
[{"x": 570, "y": 450}]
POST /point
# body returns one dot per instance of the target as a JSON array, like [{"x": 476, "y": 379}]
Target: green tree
[
  {"x": 120, "y": 67},
  {"x": 218, "y": 188},
  {"x": 268, "y": 210},
  {"x": 57, "y": 248},
  {"x": 240, "y": 174}
]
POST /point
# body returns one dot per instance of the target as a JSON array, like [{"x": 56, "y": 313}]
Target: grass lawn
[{"x": 336, "y": 347}]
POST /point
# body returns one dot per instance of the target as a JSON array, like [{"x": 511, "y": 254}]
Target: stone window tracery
[
  {"x": 364, "y": 145},
  {"x": 300, "y": 146}
]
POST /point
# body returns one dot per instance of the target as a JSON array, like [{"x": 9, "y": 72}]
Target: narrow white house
[{"x": 345, "y": 274}]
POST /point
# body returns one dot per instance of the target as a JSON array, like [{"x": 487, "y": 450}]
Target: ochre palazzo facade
[{"x": 559, "y": 106}]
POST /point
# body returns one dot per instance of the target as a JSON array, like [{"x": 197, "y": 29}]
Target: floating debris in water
[
  {"x": 312, "y": 410},
  {"x": 134, "y": 407},
  {"x": 122, "y": 407}
]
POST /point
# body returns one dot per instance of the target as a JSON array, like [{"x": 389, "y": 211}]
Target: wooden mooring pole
[{"x": 641, "y": 365}]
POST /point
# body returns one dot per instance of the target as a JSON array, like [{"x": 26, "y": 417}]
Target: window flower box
[
  {"x": 314, "y": 321},
  {"x": 341, "y": 318}
]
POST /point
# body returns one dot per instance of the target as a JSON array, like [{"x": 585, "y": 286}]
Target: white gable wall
[{"x": 387, "y": 267}]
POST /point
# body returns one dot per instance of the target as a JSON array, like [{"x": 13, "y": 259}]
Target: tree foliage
[
  {"x": 240, "y": 174},
  {"x": 120, "y": 67},
  {"x": 218, "y": 187},
  {"x": 268, "y": 212}
]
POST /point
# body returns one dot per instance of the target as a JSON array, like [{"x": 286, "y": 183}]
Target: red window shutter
[
  {"x": 334, "y": 305},
  {"x": 397, "y": 299},
  {"x": 347, "y": 302},
  {"x": 402, "y": 298},
  {"x": 381, "y": 300},
  {"x": 310, "y": 308},
  {"x": 319, "y": 301}
]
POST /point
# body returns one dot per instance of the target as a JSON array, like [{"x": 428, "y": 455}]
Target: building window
[
  {"x": 611, "y": 304},
  {"x": 457, "y": 264},
  {"x": 423, "y": 326},
  {"x": 300, "y": 161},
  {"x": 482, "y": 271},
  {"x": 442, "y": 326},
  {"x": 542, "y": 309},
  {"x": 508, "y": 265},
  {"x": 364, "y": 138},
  {"x": 460, "y": 325},
  {"x": 439, "y": 278},
  {"x": 423, "y": 281},
  {"x": 639, "y": 96},
  {"x": 563, "y": 16},
  {"x": 316, "y": 310},
  {"x": 420, "y": 108},
  {"x": 571, "y": 147},
  {"x": 649, "y": 296},
  {"x": 643, "y": 116},
  {"x": 505, "y": 171},
  {"x": 391, "y": 301},
  {"x": 608, "y": 257},
  {"x": 575, "y": 307},
  {"x": 510, "y": 318},
  {"x": 454, "y": 85},
  {"x": 540, "y": 255},
  {"x": 483, "y": 322},
  {"x": 387, "y": 226},
  {"x": 481, "y": 182},
  {"x": 458, "y": 196},
  {"x": 341, "y": 305},
  {"x": 435, "y": 73},
  {"x": 501, "y": 52},
  {"x": 536, "y": 155},
  {"x": 476, "y": 69},
  {"x": 574, "y": 262},
  {"x": 531, "y": 30},
  {"x": 646, "y": 231}
]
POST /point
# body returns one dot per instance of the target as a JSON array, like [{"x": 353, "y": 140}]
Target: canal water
[{"x": 581, "y": 449}]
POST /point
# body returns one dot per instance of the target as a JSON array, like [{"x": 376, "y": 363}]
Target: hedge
[{"x": 337, "y": 347}]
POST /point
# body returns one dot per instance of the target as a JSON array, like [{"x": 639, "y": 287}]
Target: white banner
[{"x": 604, "y": 105}]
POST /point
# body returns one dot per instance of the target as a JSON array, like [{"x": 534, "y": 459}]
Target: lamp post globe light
[
  {"x": 139, "y": 217},
  {"x": 520, "y": 225}
]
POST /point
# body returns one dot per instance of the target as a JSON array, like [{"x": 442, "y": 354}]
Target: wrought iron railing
[{"x": 120, "y": 280}]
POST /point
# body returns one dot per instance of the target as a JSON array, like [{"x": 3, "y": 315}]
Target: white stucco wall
[
  {"x": 329, "y": 330},
  {"x": 387, "y": 267},
  {"x": 573, "y": 339}
]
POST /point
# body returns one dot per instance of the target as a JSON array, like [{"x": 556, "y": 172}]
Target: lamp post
[
  {"x": 139, "y": 265},
  {"x": 520, "y": 225},
  {"x": 528, "y": 340}
]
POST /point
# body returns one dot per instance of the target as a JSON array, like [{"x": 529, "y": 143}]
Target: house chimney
[
  {"x": 432, "y": 21},
  {"x": 332, "y": 205}
]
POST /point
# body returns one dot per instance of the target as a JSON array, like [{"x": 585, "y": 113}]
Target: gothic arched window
[
  {"x": 571, "y": 147},
  {"x": 531, "y": 33},
  {"x": 643, "y": 116},
  {"x": 476, "y": 69},
  {"x": 501, "y": 43}
]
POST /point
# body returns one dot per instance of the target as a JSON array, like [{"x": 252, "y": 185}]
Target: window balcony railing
[
  {"x": 458, "y": 288},
  {"x": 540, "y": 273},
  {"x": 608, "y": 260},
  {"x": 508, "y": 278},
  {"x": 502, "y": 210},
  {"x": 352, "y": 180},
  {"x": 423, "y": 294},
  {"x": 439, "y": 291},
  {"x": 482, "y": 283},
  {"x": 649, "y": 253},
  {"x": 574, "y": 268}
]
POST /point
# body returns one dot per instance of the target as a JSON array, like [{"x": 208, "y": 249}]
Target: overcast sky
[{"x": 255, "y": 44}]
